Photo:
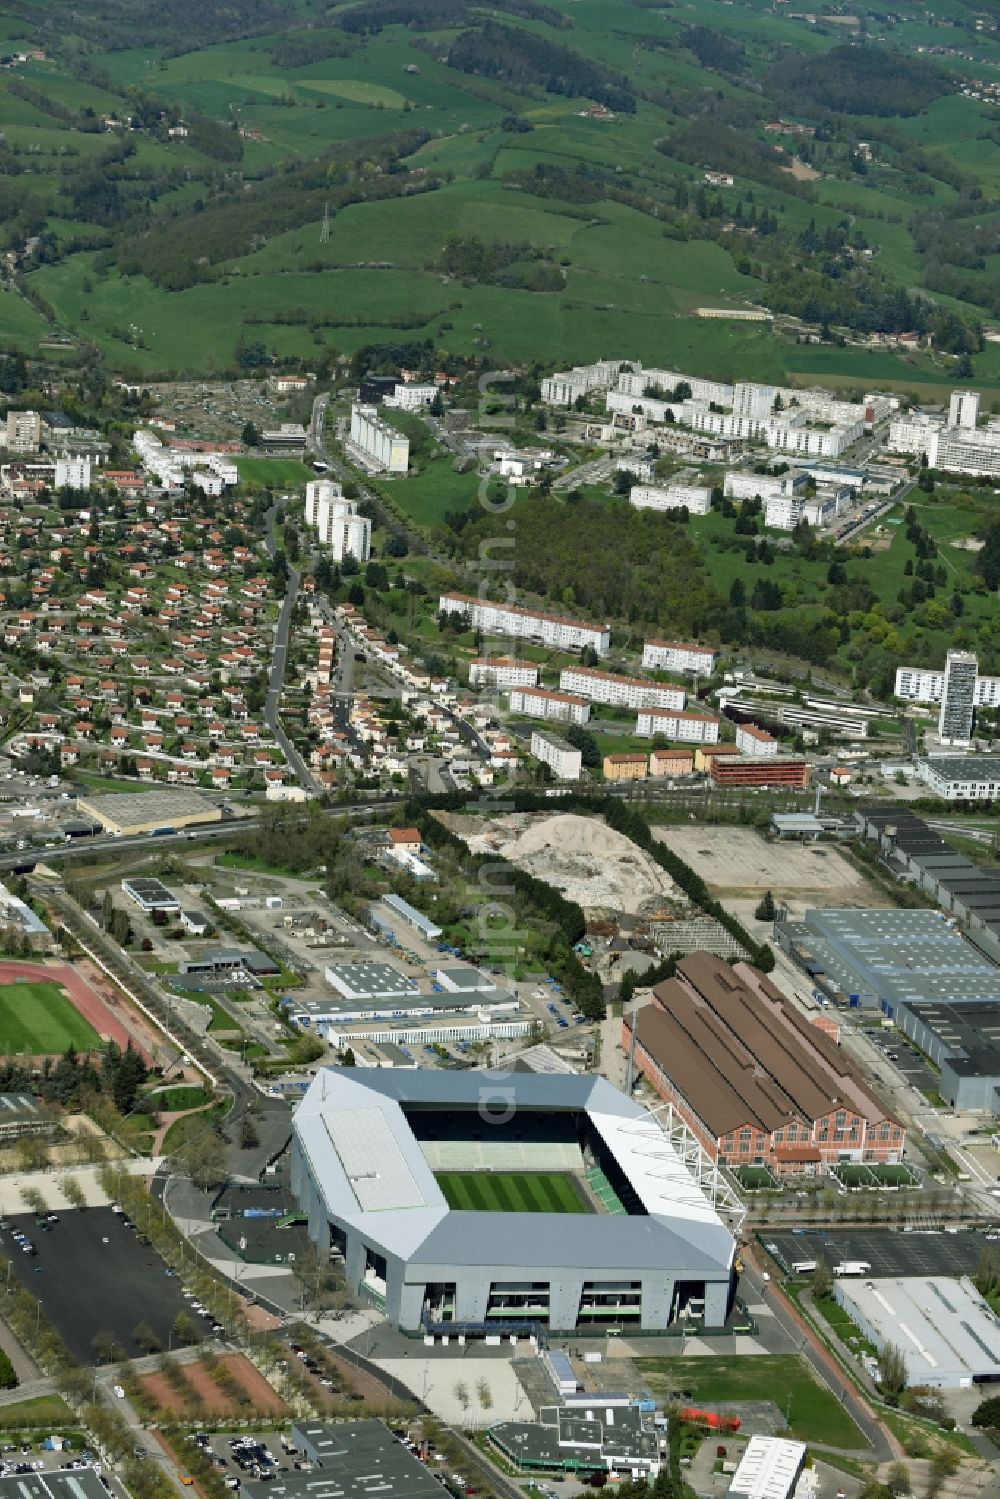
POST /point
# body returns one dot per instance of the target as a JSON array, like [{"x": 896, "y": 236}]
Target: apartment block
[
  {"x": 619, "y": 691},
  {"x": 676, "y": 655},
  {"x": 502, "y": 671},
  {"x": 381, "y": 444},
  {"x": 631, "y": 767},
  {"x": 563, "y": 760},
  {"x": 916, "y": 684},
  {"x": 539, "y": 702},
  {"x": 24, "y": 431},
  {"x": 690, "y": 497},
  {"x": 527, "y": 624},
  {"x": 690, "y": 728},
  {"x": 755, "y": 742},
  {"x": 671, "y": 762}
]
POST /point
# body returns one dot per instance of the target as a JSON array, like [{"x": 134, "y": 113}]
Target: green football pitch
[
  {"x": 40, "y": 1019},
  {"x": 511, "y": 1192}
]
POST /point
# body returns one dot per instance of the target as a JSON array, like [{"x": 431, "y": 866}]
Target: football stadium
[{"x": 484, "y": 1203}]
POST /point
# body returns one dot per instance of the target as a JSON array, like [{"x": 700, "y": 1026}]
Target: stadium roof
[{"x": 371, "y": 1170}]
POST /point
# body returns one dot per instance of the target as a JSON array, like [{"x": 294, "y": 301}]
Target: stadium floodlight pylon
[{"x": 708, "y": 1178}]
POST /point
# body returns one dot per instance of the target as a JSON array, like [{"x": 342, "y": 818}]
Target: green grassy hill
[{"x": 171, "y": 195}]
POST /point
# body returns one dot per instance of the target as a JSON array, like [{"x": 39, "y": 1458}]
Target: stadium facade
[{"x": 645, "y": 1247}]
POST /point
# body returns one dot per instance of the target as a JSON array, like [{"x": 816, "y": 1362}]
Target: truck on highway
[{"x": 852, "y": 1267}]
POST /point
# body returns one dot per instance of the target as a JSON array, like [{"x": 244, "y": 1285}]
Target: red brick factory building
[{"x": 752, "y": 1077}]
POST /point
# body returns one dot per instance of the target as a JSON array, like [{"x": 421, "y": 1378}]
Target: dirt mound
[{"x": 581, "y": 856}]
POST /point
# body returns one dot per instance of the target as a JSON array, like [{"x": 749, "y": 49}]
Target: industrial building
[
  {"x": 348, "y": 1460},
  {"x": 17, "y": 914},
  {"x": 769, "y": 1468},
  {"x": 150, "y": 894},
  {"x": 602, "y": 1434},
  {"x": 21, "y": 1114},
  {"x": 916, "y": 852},
  {"x": 946, "y": 1332},
  {"x": 394, "y": 909},
  {"x": 370, "y": 1152},
  {"x": 881, "y": 959},
  {"x": 753, "y": 1079},
  {"x": 128, "y": 814},
  {"x": 744, "y": 771},
  {"x": 962, "y": 778},
  {"x": 368, "y": 982},
  {"x": 964, "y": 1042}
]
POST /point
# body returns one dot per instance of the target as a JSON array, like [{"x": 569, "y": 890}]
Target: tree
[
  {"x": 944, "y": 1462},
  {"x": 202, "y": 1158},
  {"x": 987, "y": 1413},
  {"x": 107, "y": 1348},
  {"x": 251, "y": 435},
  {"x": 765, "y": 909},
  {"x": 898, "y": 1478},
  {"x": 822, "y": 1280},
  {"x": 73, "y": 1192},
  {"x": 184, "y": 1328},
  {"x": 249, "y": 1138},
  {"x": 892, "y": 1369},
  {"x": 146, "y": 1338}
]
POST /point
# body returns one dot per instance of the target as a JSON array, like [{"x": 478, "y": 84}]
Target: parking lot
[
  {"x": 898, "y": 1055},
  {"x": 95, "y": 1278},
  {"x": 890, "y": 1253}
]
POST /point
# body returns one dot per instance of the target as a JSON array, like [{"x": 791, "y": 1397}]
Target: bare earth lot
[
  {"x": 738, "y": 862},
  {"x": 592, "y": 865}
]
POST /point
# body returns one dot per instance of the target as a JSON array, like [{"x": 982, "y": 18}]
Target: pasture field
[
  {"x": 510, "y": 1192},
  {"x": 38, "y": 1018},
  {"x": 632, "y": 271}
]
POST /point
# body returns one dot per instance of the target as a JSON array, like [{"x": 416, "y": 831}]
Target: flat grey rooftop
[
  {"x": 354, "y": 1459},
  {"x": 893, "y": 955},
  {"x": 966, "y": 767}
]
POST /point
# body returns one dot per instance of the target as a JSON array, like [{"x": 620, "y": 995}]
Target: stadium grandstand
[{"x": 482, "y": 1202}]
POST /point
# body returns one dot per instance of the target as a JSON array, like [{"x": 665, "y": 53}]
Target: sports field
[
  {"x": 38, "y": 1018},
  {"x": 511, "y": 1192}
]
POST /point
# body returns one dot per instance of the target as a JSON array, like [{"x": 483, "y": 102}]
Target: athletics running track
[{"x": 82, "y": 997}]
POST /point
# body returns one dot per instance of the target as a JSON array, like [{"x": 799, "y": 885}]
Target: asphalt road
[{"x": 279, "y": 662}]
